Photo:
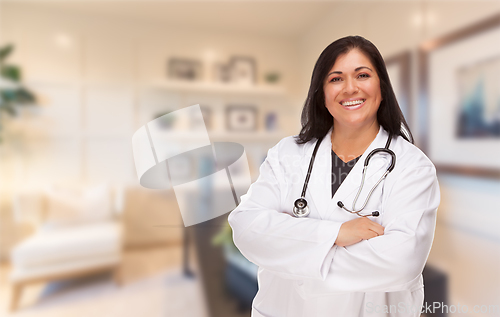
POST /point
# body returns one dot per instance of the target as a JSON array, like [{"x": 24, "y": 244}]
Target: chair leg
[{"x": 17, "y": 290}]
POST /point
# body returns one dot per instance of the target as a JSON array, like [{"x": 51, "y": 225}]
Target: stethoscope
[{"x": 300, "y": 208}]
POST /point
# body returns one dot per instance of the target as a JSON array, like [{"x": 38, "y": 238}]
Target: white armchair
[{"x": 78, "y": 232}]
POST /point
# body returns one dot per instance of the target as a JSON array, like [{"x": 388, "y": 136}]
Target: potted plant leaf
[
  {"x": 240, "y": 274},
  {"x": 12, "y": 92}
]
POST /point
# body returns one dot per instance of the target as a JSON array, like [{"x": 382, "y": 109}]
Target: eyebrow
[{"x": 357, "y": 69}]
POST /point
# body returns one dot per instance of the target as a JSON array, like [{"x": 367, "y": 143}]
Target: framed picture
[
  {"x": 271, "y": 121},
  {"x": 241, "y": 118},
  {"x": 184, "y": 69},
  {"x": 221, "y": 73},
  {"x": 460, "y": 100},
  {"x": 242, "y": 70},
  {"x": 398, "y": 67}
]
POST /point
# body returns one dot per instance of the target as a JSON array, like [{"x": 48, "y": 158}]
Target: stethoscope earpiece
[{"x": 373, "y": 214}]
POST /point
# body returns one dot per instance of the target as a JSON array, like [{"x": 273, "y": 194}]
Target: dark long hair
[{"x": 316, "y": 119}]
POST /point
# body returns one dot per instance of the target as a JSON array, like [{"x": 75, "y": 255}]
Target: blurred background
[{"x": 79, "y": 236}]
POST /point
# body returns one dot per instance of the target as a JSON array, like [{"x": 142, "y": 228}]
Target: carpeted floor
[{"x": 153, "y": 286}]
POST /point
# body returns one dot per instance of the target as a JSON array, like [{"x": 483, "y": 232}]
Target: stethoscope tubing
[
  {"x": 365, "y": 167},
  {"x": 301, "y": 209},
  {"x": 357, "y": 212}
]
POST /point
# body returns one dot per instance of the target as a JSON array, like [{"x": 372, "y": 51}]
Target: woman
[{"x": 333, "y": 262}]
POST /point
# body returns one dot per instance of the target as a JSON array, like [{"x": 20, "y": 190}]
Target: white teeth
[{"x": 352, "y": 103}]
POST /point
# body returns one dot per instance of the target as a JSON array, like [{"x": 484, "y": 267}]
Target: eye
[
  {"x": 363, "y": 75},
  {"x": 335, "y": 79}
]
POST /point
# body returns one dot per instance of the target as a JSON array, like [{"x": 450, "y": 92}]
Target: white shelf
[
  {"x": 246, "y": 136},
  {"x": 220, "y": 88},
  {"x": 216, "y": 136},
  {"x": 170, "y": 85}
]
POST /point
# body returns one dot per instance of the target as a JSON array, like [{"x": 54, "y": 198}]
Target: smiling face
[{"x": 352, "y": 91}]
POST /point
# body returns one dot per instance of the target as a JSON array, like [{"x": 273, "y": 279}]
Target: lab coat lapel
[
  {"x": 377, "y": 166},
  {"x": 319, "y": 190}
]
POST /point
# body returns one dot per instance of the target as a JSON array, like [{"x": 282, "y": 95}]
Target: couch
[{"x": 78, "y": 232}]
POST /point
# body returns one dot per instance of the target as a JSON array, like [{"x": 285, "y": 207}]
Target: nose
[{"x": 350, "y": 87}]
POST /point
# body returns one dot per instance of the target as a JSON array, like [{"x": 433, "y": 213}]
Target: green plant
[
  {"x": 272, "y": 77},
  {"x": 224, "y": 236},
  {"x": 12, "y": 93}
]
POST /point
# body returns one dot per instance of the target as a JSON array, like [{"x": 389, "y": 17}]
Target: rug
[{"x": 162, "y": 295}]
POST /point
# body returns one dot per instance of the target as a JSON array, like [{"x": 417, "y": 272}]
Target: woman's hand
[{"x": 356, "y": 230}]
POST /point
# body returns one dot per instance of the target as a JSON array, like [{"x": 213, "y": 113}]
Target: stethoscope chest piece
[{"x": 300, "y": 208}]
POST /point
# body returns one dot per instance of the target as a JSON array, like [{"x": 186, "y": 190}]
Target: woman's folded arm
[
  {"x": 294, "y": 248},
  {"x": 399, "y": 255}
]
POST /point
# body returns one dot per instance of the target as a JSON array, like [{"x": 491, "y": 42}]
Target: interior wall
[
  {"x": 466, "y": 244},
  {"x": 95, "y": 79},
  {"x": 92, "y": 70}
]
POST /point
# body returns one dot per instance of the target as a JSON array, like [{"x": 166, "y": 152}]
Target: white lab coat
[{"x": 301, "y": 271}]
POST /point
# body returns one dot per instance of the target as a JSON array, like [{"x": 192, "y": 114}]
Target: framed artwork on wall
[
  {"x": 241, "y": 118},
  {"x": 460, "y": 100},
  {"x": 399, "y": 69},
  {"x": 221, "y": 73},
  {"x": 243, "y": 70},
  {"x": 184, "y": 69}
]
